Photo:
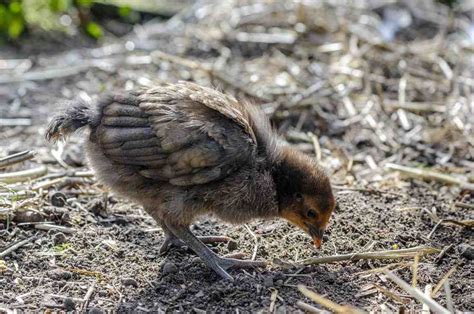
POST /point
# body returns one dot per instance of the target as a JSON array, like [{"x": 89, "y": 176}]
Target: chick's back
[{"x": 183, "y": 134}]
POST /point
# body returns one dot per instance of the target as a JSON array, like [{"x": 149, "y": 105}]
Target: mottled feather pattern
[{"x": 192, "y": 135}]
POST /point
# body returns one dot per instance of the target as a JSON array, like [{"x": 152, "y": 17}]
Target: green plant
[
  {"x": 19, "y": 16},
  {"x": 12, "y": 21}
]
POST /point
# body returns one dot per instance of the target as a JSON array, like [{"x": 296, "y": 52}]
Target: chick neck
[{"x": 287, "y": 176}]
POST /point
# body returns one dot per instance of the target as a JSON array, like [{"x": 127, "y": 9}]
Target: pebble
[
  {"x": 268, "y": 281},
  {"x": 59, "y": 274},
  {"x": 169, "y": 268},
  {"x": 232, "y": 245},
  {"x": 151, "y": 256},
  {"x": 466, "y": 251},
  {"x": 98, "y": 209},
  {"x": 59, "y": 238},
  {"x": 58, "y": 199},
  {"x": 129, "y": 282},
  {"x": 95, "y": 310},
  {"x": 69, "y": 304}
]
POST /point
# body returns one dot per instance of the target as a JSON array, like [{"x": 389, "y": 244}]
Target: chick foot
[{"x": 212, "y": 260}]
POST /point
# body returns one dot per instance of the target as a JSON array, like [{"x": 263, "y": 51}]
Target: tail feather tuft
[{"x": 73, "y": 118}]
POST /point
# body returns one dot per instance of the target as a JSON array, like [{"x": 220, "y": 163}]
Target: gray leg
[
  {"x": 172, "y": 241},
  {"x": 215, "y": 262}
]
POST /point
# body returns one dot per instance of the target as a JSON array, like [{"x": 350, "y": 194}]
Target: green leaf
[
  {"x": 84, "y": 3},
  {"x": 3, "y": 17},
  {"x": 94, "y": 30},
  {"x": 15, "y": 28},
  {"x": 15, "y": 7},
  {"x": 59, "y": 5},
  {"x": 62, "y": 247},
  {"x": 124, "y": 11}
]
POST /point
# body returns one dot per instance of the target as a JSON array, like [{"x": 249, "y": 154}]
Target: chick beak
[
  {"x": 317, "y": 242},
  {"x": 317, "y": 235}
]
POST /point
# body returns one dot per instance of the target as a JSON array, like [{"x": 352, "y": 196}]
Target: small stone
[
  {"x": 59, "y": 274},
  {"x": 151, "y": 256},
  {"x": 95, "y": 310},
  {"x": 59, "y": 238},
  {"x": 27, "y": 216},
  {"x": 232, "y": 245},
  {"x": 279, "y": 282},
  {"x": 98, "y": 209},
  {"x": 169, "y": 268},
  {"x": 200, "y": 294},
  {"x": 58, "y": 199},
  {"x": 69, "y": 304},
  {"x": 466, "y": 251},
  {"x": 196, "y": 260},
  {"x": 129, "y": 282},
  {"x": 268, "y": 281}
]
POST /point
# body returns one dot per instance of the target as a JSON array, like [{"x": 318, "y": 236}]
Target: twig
[
  {"x": 415, "y": 270},
  {"x": 365, "y": 190},
  {"x": 443, "y": 253},
  {"x": 58, "y": 296},
  {"x": 464, "y": 205},
  {"x": 308, "y": 308},
  {"x": 273, "y": 299},
  {"x": 287, "y": 38},
  {"x": 425, "y": 308},
  {"x": 45, "y": 74},
  {"x": 23, "y": 175},
  {"x": 326, "y": 302},
  {"x": 391, "y": 254},
  {"x": 255, "y": 248},
  {"x": 16, "y": 158},
  {"x": 449, "y": 297},
  {"x": 441, "y": 282},
  {"x": 416, "y": 106},
  {"x": 17, "y": 245},
  {"x": 390, "y": 294},
  {"x": 15, "y": 121},
  {"x": 55, "y": 227},
  {"x": 431, "y": 175},
  {"x": 434, "y": 229},
  {"x": 317, "y": 147},
  {"x": 88, "y": 296},
  {"x": 401, "y": 99},
  {"x": 417, "y": 294}
]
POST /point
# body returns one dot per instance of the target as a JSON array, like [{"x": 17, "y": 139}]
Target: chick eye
[{"x": 311, "y": 214}]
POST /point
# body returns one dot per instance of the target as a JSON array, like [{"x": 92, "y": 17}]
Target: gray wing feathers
[{"x": 181, "y": 133}]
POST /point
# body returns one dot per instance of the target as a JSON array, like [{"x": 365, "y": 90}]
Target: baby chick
[{"x": 183, "y": 151}]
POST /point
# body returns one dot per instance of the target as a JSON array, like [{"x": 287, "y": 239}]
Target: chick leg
[
  {"x": 215, "y": 262},
  {"x": 172, "y": 241}
]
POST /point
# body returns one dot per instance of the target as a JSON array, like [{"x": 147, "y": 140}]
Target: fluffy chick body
[{"x": 183, "y": 151}]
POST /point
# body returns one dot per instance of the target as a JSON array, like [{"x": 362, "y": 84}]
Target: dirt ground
[{"x": 102, "y": 255}]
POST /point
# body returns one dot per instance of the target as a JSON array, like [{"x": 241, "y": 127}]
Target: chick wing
[{"x": 181, "y": 133}]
